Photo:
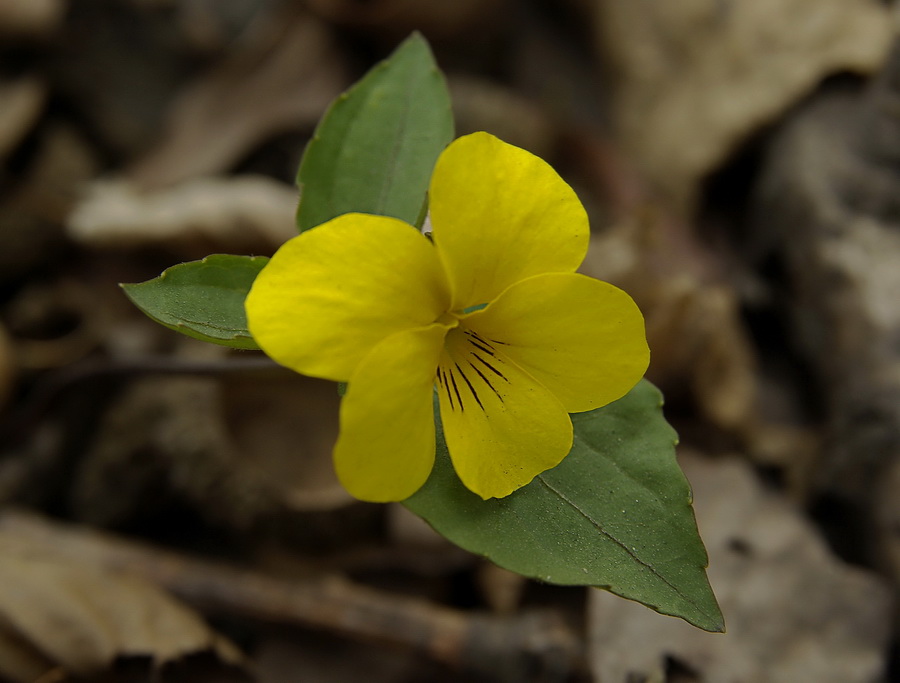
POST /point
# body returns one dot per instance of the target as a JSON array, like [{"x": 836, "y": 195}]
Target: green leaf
[
  {"x": 616, "y": 514},
  {"x": 202, "y": 299},
  {"x": 375, "y": 148}
]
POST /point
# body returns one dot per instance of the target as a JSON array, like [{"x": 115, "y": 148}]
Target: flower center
[
  {"x": 452, "y": 318},
  {"x": 449, "y": 318},
  {"x": 471, "y": 372}
]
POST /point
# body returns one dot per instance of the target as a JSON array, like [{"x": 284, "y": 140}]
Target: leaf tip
[
  {"x": 416, "y": 36},
  {"x": 415, "y": 41},
  {"x": 128, "y": 289},
  {"x": 713, "y": 620},
  {"x": 716, "y": 623}
]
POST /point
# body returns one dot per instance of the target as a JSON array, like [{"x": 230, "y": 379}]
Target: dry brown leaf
[
  {"x": 695, "y": 78},
  {"x": 501, "y": 648},
  {"x": 280, "y": 78},
  {"x": 245, "y": 214},
  {"x": 793, "y": 611},
  {"x": 82, "y": 618}
]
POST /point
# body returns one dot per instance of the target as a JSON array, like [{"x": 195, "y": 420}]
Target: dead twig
[{"x": 529, "y": 646}]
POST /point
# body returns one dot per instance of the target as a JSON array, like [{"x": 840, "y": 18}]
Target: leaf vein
[{"x": 616, "y": 541}]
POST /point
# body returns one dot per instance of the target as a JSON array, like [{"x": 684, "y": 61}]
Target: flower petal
[
  {"x": 385, "y": 450},
  {"x": 582, "y": 338},
  {"x": 499, "y": 215},
  {"x": 501, "y": 426},
  {"x": 329, "y": 295}
]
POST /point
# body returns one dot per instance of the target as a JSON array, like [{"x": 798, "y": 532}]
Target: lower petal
[
  {"x": 582, "y": 338},
  {"x": 502, "y": 427},
  {"x": 385, "y": 450}
]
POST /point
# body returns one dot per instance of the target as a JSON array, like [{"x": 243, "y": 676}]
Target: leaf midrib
[{"x": 599, "y": 527}]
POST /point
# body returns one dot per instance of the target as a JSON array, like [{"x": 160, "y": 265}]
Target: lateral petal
[
  {"x": 581, "y": 338},
  {"x": 502, "y": 427},
  {"x": 385, "y": 450},
  {"x": 332, "y": 293},
  {"x": 500, "y": 214}
]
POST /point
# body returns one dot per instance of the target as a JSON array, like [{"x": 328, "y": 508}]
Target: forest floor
[{"x": 739, "y": 162}]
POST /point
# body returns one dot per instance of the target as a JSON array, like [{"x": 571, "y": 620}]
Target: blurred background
[{"x": 167, "y": 508}]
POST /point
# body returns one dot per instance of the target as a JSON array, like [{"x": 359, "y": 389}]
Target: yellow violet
[{"x": 491, "y": 312}]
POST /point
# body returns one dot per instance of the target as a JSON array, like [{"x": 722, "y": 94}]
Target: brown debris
[
  {"x": 397, "y": 18},
  {"x": 63, "y": 613},
  {"x": 793, "y": 611},
  {"x": 30, "y": 19},
  {"x": 700, "y": 348},
  {"x": 21, "y": 102},
  {"x": 509, "y": 649},
  {"x": 138, "y": 133},
  {"x": 8, "y": 368},
  {"x": 694, "y": 79},
  {"x": 827, "y": 202},
  {"x": 281, "y": 78},
  {"x": 240, "y": 214}
]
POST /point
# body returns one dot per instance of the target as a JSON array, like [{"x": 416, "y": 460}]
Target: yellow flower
[{"x": 491, "y": 312}]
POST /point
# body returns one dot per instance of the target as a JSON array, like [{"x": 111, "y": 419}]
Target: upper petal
[
  {"x": 499, "y": 215},
  {"x": 502, "y": 427},
  {"x": 329, "y": 295},
  {"x": 582, "y": 338},
  {"x": 385, "y": 450}
]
